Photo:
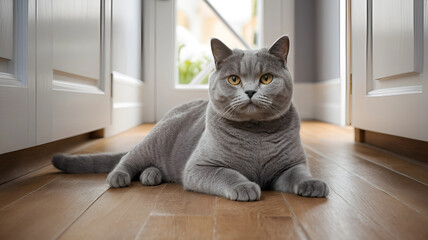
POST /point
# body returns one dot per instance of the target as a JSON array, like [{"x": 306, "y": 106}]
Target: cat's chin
[
  {"x": 251, "y": 114},
  {"x": 251, "y": 108}
]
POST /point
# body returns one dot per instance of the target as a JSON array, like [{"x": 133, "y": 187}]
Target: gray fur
[
  {"x": 87, "y": 163},
  {"x": 231, "y": 146}
]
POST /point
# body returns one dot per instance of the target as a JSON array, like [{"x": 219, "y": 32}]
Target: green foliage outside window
[{"x": 188, "y": 69}]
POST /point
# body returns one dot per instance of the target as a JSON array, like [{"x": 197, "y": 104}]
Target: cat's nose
[{"x": 250, "y": 93}]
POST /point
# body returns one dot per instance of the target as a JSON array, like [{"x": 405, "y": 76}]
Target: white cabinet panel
[
  {"x": 395, "y": 38},
  {"x": 76, "y": 38},
  {"x": 6, "y": 29},
  {"x": 17, "y": 80}
]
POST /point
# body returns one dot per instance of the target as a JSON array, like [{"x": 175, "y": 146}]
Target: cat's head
[{"x": 251, "y": 85}]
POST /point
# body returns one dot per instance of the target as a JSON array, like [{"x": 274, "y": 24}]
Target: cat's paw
[
  {"x": 118, "y": 179},
  {"x": 151, "y": 177},
  {"x": 313, "y": 188},
  {"x": 248, "y": 191}
]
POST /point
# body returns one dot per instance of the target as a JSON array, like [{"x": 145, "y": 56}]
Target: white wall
[
  {"x": 327, "y": 27},
  {"x": 319, "y": 82},
  {"x": 305, "y": 42}
]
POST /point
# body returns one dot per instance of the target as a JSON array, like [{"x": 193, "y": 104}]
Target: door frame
[{"x": 345, "y": 62}]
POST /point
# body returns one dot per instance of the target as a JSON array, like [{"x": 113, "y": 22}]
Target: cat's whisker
[
  {"x": 267, "y": 105},
  {"x": 276, "y": 111},
  {"x": 229, "y": 111}
]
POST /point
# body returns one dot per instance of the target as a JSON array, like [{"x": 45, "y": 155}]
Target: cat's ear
[
  {"x": 280, "y": 48},
  {"x": 220, "y": 50}
]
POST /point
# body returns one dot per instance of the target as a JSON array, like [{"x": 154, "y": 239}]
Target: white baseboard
[
  {"x": 127, "y": 109},
  {"x": 327, "y": 105},
  {"x": 319, "y": 101}
]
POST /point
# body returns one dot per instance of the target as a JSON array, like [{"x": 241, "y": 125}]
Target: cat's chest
[{"x": 260, "y": 152}]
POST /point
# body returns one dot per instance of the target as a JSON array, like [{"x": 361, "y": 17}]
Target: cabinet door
[
  {"x": 17, "y": 75},
  {"x": 389, "y": 67},
  {"x": 73, "y": 67}
]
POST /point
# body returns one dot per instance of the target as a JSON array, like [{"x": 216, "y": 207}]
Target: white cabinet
[
  {"x": 56, "y": 83},
  {"x": 389, "y": 67},
  {"x": 17, "y": 75},
  {"x": 73, "y": 73}
]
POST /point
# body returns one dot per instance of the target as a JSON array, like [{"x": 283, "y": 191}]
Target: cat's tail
[{"x": 87, "y": 163}]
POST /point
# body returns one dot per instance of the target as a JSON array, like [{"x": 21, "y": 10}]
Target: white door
[
  {"x": 17, "y": 75},
  {"x": 73, "y": 67},
  {"x": 177, "y": 35},
  {"x": 390, "y": 66}
]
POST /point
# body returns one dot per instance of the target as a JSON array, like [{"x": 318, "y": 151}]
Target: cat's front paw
[
  {"x": 118, "y": 179},
  {"x": 151, "y": 177},
  {"x": 312, "y": 188},
  {"x": 248, "y": 191}
]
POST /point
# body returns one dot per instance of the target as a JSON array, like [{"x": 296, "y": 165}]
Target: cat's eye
[
  {"x": 266, "y": 78},
  {"x": 234, "y": 80}
]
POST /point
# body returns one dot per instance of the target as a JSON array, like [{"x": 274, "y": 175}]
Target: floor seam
[
  {"x": 295, "y": 219},
  {"x": 386, "y": 167},
  {"x": 151, "y": 212},
  {"x": 80, "y": 215},
  {"x": 26, "y": 174},
  {"x": 24, "y": 196},
  {"x": 215, "y": 218}
]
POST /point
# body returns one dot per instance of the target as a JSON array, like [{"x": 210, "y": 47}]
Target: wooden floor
[{"x": 374, "y": 195}]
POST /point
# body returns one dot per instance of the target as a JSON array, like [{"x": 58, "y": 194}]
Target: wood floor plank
[
  {"x": 47, "y": 212},
  {"x": 14, "y": 190},
  {"x": 252, "y": 227},
  {"x": 268, "y": 218},
  {"x": 402, "y": 222},
  {"x": 120, "y": 143},
  {"x": 19, "y": 163},
  {"x": 415, "y": 170},
  {"x": 270, "y": 204},
  {"x": 342, "y": 138},
  {"x": 333, "y": 218},
  {"x": 410, "y": 192},
  {"x": 174, "y": 200},
  {"x": 118, "y": 214},
  {"x": 178, "y": 227},
  {"x": 393, "y": 215}
]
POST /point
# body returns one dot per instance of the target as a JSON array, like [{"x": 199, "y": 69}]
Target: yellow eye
[
  {"x": 234, "y": 80},
  {"x": 266, "y": 78}
]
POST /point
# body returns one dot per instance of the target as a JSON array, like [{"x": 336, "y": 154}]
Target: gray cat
[{"x": 244, "y": 139}]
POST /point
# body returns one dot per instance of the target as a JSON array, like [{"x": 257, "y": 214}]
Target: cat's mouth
[{"x": 250, "y": 106}]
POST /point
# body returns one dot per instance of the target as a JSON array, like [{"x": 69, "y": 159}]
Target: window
[{"x": 234, "y": 22}]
